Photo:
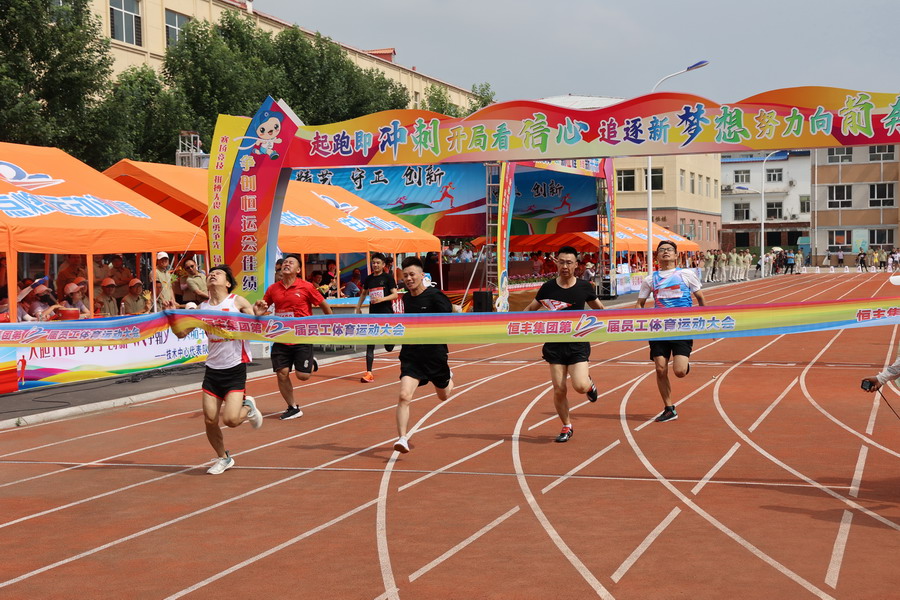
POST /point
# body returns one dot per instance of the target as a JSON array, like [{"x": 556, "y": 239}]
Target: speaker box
[{"x": 482, "y": 302}]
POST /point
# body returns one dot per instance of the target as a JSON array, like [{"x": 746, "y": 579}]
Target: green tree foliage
[
  {"x": 54, "y": 67},
  {"x": 140, "y": 118},
  {"x": 484, "y": 96},
  {"x": 437, "y": 99}
]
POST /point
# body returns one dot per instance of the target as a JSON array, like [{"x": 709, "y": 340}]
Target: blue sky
[{"x": 527, "y": 49}]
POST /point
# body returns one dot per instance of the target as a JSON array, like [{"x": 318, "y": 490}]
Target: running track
[{"x": 779, "y": 480}]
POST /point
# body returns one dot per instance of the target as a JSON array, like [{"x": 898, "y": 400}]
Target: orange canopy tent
[
  {"x": 316, "y": 219},
  {"x": 631, "y": 236},
  {"x": 52, "y": 203}
]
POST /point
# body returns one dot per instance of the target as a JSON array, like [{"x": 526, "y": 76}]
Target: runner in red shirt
[{"x": 292, "y": 297}]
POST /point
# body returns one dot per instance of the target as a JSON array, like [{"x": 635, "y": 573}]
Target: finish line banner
[{"x": 702, "y": 322}]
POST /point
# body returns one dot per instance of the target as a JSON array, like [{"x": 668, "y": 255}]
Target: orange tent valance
[{"x": 316, "y": 219}]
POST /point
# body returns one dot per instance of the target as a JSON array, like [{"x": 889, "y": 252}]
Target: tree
[
  {"x": 140, "y": 118},
  {"x": 437, "y": 99},
  {"x": 54, "y": 67},
  {"x": 484, "y": 96},
  {"x": 227, "y": 68}
]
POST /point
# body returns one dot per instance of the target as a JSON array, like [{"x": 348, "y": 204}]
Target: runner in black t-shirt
[
  {"x": 566, "y": 292},
  {"x": 421, "y": 363},
  {"x": 382, "y": 291}
]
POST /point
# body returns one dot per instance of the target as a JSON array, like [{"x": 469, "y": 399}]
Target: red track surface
[{"x": 779, "y": 480}]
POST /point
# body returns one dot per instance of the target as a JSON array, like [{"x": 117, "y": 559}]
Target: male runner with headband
[
  {"x": 671, "y": 288},
  {"x": 225, "y": 380}
]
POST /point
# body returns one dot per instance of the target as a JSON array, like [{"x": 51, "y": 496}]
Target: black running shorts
[
  {"x": 292, "y": 356},
  {"x": 669, "y": 348},
  {"x": 566, "y": 353},
  {"x": 218, "y": 382},
  {"x": 427, "y": 367}
]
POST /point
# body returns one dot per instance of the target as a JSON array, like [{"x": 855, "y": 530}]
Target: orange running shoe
[{"x": 367, "y": 377}]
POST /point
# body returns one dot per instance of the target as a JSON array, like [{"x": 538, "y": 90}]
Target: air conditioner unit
[
  {"x": 794, "y": 217},
  {"x": 792, "y": 182},
  {"x": 726, "y": 189}
]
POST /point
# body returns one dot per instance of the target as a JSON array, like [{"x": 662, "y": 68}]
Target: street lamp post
[
  {"x": 762, "y": 216},
  {"x": 649, "y": 178}
]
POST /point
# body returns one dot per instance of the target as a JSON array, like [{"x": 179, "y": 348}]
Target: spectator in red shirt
[{"x": 292, "y": 297}]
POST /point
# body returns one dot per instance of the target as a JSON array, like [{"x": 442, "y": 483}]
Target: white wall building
[{"x": 787, "y": 186}]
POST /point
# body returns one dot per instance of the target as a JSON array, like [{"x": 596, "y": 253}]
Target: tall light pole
[
  {"x": 649, "y": 178},
  {"x": 762, "y": 216}
]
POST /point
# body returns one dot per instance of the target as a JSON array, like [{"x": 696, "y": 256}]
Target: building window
[
  {"x": 774, "y": 175},
  {"x": 880, "y": 153},
  {"x": 716, "y": 187},
  {"x": 625, "y": 180},
  {"x": 693, "y": 186},
  {"x": 415, "y": 103},
  {"x": 840, "y": 196},
  {"x": 773, "y": 211},
  {"x": 683, "y": 228},
  {"x": 692, "y": 232},
  {"x": 656, "y": 178},
  {"x": 175, "y": 22},
  {"x": 708, "y": 182},
  {"x": 804, "y": 204},
  {"x": 839, "y": 239},
  {"x": 881, "y": 237},
  {"x": 742, "y": 176},
  {"x": 840, "y": 155},
  {"x": 681, "y": 180},
  {"x": 708, "y": 231},
  {"x": 881, "y": 194},
  {"x": 741, "y": 211},
  {"x": 125, "y": 21}
]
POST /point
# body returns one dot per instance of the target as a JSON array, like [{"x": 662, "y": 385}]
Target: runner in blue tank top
[{"x": 671, "y": 288}]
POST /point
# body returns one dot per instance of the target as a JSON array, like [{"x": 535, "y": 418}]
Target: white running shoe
[
  {"x": 221, "y": 465},
  {"x": 254, "y": 416},
  {"x": 402, "y": 445}
]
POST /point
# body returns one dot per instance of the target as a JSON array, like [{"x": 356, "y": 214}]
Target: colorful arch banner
[
  {"x": 656, "y": 124},
  {"x": 471, "y": 328}
]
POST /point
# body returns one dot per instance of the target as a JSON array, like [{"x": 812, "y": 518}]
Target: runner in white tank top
[
  {"x": 225, "y": 379},
  {"x": 224, "y": 353}
]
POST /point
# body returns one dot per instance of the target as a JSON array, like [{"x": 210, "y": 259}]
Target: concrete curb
[{"x": 75, "y": 411}]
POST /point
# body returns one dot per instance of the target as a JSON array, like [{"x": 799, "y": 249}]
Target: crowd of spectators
[{"x": 117, "y": 290}]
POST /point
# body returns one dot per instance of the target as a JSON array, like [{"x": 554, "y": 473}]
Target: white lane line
[
  {"x": 579, "y": 467},
  {"x": 384, "y": 555},
  {"x": 715, "y": 469},
  {"x": 623, "y": 417},
  {"x": 96, "y": 433},
  {"x": 573, "y": 408},
  {"x": 447, "y": 467},
  {"x": 539, "y": 513},
  {"x": 724, "y": 415},
  {"x": 423, "y": 471},
  {"x": 679, "y": 403},
  {"x": 837, "y": 553},
  {"x": 271, "y": 551},
  {"x": 868, "y": 440},
  {"x": 873, "y": 414},
  {"x": 449, "y": 553},
  {"x": 858, "y": 471},
  {"x": 772, "y": 406},
  {"x": 639, "y": 551}
]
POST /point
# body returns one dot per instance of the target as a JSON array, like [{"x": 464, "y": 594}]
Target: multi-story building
[
  {"x": 685, "y": 190},
  {"x": 786, "y": 183},
  {"x": 854, "y": 199},
  {"x": 141, "y": 30}
]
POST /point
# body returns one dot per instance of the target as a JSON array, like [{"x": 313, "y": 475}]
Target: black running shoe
[
  {"x": 688, "y": 372},
  {"x": 315, "y": 365},
  {"x": 564, "y": 435},
  {"x": 668, "y": 414},
  {"x": 293, "y": 412},
  {"x": 592, "y": 393},
  {"x": 389, "y": 347}
]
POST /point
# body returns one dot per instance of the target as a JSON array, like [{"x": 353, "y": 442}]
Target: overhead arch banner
[
  {"x": 703, "y": 322},
  {"x": 656, "y": 124}
]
